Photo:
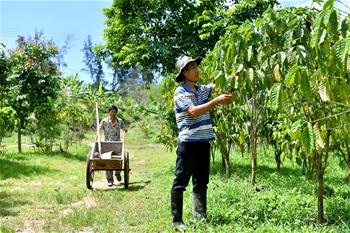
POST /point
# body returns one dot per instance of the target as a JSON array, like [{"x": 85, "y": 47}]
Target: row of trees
[
  {"x": 36, "y": 100},
  {"x": 289, "y": 72}
]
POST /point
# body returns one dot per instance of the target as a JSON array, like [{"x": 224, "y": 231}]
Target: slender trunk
[
  {"x": 321, "y": 166},
  {"x": 277, "y": 155},
  {"x": 254, "y": 162},
  {"x": 19, "y": 138},
  {"x": 225, "y": 152},
  {"x": 241, "y": 146},
  {"x": 320, "y": 191},
  {"x": 253, "y": 138},
  {"x": 278, "y": 160},
  {"x": 223, "y": 160},
  {"x": 227, "y": 164},
  {"x": 347, "y": 161}
]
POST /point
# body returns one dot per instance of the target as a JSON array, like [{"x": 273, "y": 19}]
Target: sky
[
  {"x": 58, "y": 20},
  {"x": 76, "y": 19}
]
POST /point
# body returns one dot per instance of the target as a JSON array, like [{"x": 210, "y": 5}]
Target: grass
[{"x": 45, "y": 192}]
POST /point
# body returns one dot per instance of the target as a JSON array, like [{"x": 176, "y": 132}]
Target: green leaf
[
  {"x": 304, "y": 83},
  {"x": 308, "y": 139},
  {"x": 218, "y": 75},
  {"x": 322, "y": 89},
  {"x": 342, "y": 49},
  {"x": 296, "y": 126},
  {"x": 328, "y": 4},
  {"x": 319, "y": 141},
  {"x": 322, "y": 37},
  {"x": 250, "y": 53},
  {"x": 275, "y": 96},
  {"x": 239, "y": 69},
  {"x": 290, "y": 77},
  {"x": 333, "y": 22}
]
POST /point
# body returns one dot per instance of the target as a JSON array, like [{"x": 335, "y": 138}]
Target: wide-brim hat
[{"x": 182, "y": 62}]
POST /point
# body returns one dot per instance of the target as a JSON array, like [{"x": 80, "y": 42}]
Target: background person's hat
[{"x": 182, "y": 62}]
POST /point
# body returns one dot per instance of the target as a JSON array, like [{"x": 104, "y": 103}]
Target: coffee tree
[{"x": 302, "y": 76}]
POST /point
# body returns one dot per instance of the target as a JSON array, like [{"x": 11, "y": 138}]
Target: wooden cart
[
  {"x": 119, "y": 160},
  {"x": 106, "y": 156}
]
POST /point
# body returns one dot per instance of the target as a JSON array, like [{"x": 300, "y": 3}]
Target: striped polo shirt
[{"x": 192, "y": 129}]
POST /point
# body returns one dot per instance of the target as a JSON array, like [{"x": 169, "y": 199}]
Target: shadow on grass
[
  {"x": 8, "y": 202},
  {"x": 79, "y": 157},
  {"x": 27, "y": 155},
  {"x": 135, "y": 186},
  {"x": 263, "y": 171},
  {"x": 13, "y": 169}
]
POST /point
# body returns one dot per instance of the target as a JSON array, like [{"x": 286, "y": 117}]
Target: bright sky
[{"x": 59, "y": 19}]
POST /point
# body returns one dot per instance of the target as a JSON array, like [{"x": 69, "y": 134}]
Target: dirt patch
[
  {"x": 87, "y": 202},
  {"x": 141, "y": 162},
  {"x": 86, "y": 230},
  {"x": 32, "y": 225}
]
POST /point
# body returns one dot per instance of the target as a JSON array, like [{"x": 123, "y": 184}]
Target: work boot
[
  {"x": 176, "y": 210},
  {"x": 199, "y": 206}
]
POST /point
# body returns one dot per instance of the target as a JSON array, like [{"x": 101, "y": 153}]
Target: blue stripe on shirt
[{"x": 190, "y": 128}]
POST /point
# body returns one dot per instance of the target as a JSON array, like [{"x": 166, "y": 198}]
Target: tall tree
[
  {"x": 33, "y": 77},
  {"x": 7, "y": 114},
  {"x": 93, "y": 63},
  {"x": 3, "y": 70},
  {"x": 153, "y": 33}
]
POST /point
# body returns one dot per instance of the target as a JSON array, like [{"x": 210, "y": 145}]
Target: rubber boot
[
  {"x": 176, "y": 210},
  {"x": 199, "y": 206}
]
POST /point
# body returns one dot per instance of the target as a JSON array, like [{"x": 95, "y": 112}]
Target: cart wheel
[
  {"x": 89, "y": 174},
  {"x": 126, "y": 170}
]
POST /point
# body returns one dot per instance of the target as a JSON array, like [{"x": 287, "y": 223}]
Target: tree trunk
[
  {"x": 227, "y": 164},
  {"x": 320, "y": 168},
  {"x": 19, "y": 136},
  {"x": 253, "y": 137},
  {"x": 347, "y": 161},
  {"x": 278, "y": 160},
  {"x": 320, "y": 192},
  {"x": 254, "y": 163},
  {"x": 320, "y": 189},
  {"x": 277, "y": 155},
  {"x": 241, "y": 146}
]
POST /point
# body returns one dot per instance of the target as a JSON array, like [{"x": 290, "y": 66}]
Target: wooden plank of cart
[{"x": 107, "y": 156}]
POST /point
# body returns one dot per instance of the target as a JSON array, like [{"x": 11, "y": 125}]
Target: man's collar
[
  {"x": 187, "y": 88},
  {"x": 109, "y": 119}
]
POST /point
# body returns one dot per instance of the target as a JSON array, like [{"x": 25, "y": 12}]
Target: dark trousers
[{"x": 193, "y": 159}]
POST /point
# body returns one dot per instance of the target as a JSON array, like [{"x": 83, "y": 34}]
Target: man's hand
[{"x": 223, "y": 99}]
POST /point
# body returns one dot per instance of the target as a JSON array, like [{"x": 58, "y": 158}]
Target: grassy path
[
  {"x": 42, "y": 192},
  {"x": 47, "y": 193}
]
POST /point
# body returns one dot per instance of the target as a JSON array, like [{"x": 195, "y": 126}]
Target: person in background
[
  {"x": 111, "y": 127},
  {"x": 192, "y": 106}
]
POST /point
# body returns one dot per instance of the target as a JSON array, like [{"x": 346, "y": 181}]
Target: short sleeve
[
  {"x": 182, "y": 102},
  {"x": 210, "y": 87}
]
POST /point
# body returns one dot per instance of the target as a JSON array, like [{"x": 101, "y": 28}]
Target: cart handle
[{"x": 98, "y": 131}]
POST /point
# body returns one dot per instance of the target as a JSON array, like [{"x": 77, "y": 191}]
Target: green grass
[{"x": 45, "y": 192}]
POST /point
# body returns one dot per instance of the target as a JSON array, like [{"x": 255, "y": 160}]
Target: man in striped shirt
[{"x": 192, "y": 106}]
